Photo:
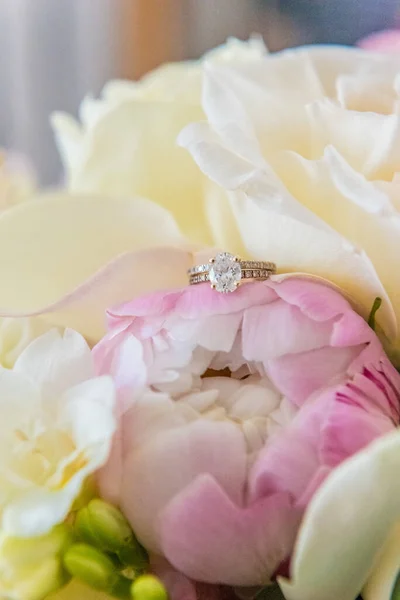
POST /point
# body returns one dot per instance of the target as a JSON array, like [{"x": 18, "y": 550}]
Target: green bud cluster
[
  {"x": 97, "y": 547},
  {"x": 107, "y": 556}
]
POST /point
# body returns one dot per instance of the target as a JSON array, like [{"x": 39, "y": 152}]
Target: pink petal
[
  {"x": 351, "y": 330},
  {"x": 209, "y": 538},
  {"x": 279, "y": 328},
  {"x": 364, "y": 409},
  {"x": 383, "y": 41},
  {"x": 349, "y": 430},
  {"x": 121, "y": 355},
  {"x": 180, "y": 587},
  {"x": 318, "y": 301},
  {"x": 166, "y": 463},
  {"x": 298, "y": 376},
  {"x": 290, "y": 460},
  {"x": 196, "y": 301}
]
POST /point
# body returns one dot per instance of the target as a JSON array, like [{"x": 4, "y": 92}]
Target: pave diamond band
[{"x": 225, "y": 272}]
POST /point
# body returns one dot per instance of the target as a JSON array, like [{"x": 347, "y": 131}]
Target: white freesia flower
[
  {"x": 56, "y": 429},
  {"x": 306, "y": 142},
  {"x": 16, "y": 335}
]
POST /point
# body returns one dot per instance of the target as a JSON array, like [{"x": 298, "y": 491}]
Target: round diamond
[{"x": 225, "y": 273}]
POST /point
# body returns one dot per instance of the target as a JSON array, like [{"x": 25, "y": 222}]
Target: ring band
[{"x": 226, "y": 272}]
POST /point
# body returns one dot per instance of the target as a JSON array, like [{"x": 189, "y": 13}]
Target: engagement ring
[{"x": 225, "y": 272}]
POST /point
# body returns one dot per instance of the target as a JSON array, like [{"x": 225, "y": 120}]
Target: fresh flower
[
  {"x": 382, "y": 41},
  {"x": 135, "y": 200},
  {"x": 56, "y": 429},
  {"x": 125, "y": 145},
  {"x": 17, "y": 180},
  {"x": 306, "y": 144},
  {"x": 16, "y": 335},
  {"x": 17, "y": 184},
  {"x": 30, "y": 569},
  {"x": 216, "y": 473},
  {"x": 301, "y": 143}
]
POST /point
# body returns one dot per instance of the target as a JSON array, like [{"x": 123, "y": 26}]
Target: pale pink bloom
[
  {"x": 214, "y": 473},
  {"x": 383, "y": 41}
]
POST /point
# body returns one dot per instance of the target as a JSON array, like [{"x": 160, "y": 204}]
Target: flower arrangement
[{"x": 199, "y": 337}]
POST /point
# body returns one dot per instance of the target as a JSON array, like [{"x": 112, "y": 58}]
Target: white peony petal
[
  {"x": 227, "y": 115},
  {"x": 131, "y": 151},
  {"x": 69, "y": 139},
  {"x": 297, "y": 247},
  {"x": 366, "y": 92},
  {"x": 233, "y": 172},
  {"x": 354, "y": 186},
  {"x": 236, "y": 51},
  {"x": 55, "y": 362},
  {"x": 353, "y": 206},
  {"x": 360, "y": 498},
  {"x": 83, "y": 263},
  {"x": 86, "y": 232},
  {"x": 383, "y": 578}
]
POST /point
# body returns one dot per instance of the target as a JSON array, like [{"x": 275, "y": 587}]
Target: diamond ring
[{"x": 225, "y": 272}]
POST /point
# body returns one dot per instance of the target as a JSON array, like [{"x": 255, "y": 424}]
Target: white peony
[{"x": 306, "y": 144}]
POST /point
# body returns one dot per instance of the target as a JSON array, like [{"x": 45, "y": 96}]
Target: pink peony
[
  {"x": 387, "y": 41},
  {"x": 214, "y": 471}
]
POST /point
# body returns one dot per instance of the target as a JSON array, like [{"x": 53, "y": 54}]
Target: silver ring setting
[{"x": 226, "y": 272}]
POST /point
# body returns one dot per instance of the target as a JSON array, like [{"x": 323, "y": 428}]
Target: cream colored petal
[
  {"x": 236, "y": 51},
  {"x": 76, "y": 256},
  {"x": 132, "y": 151},
  {"x": 223, "y": 225},
  {"x": 50, "y": 246},
  {"x": 69, "y": 138},
  {"x": 296, "y": 246},
  {"x": 330, "y": 62},
  {"x": 229, "y": 169},
  {"x": 15, "y": 335},
  {"x": 354, "y": 135},
  {"x": 346, "y": 525},
  {"x": 78, "y": 591},
  {"x": 372, "y": 92},
  {"x": 55, "y": 362},
  {"x": 382, "y": 580},
  {"x": 356, "y": 208},
  {"x": 274, "y": 225}
]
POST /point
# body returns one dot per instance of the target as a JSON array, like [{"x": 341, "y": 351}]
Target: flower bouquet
[{"x": 199, "y": 337}]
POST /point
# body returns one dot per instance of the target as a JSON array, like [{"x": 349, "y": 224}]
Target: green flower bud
[
  {"x": 148, "y": 587},
  {"x": 91, "y": 566},
  {"x": 103, "y": 522},
  {"x": 104, "y": 526}
]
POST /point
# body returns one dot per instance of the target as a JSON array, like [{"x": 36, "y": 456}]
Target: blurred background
[{"x": 53, "y": 52}]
